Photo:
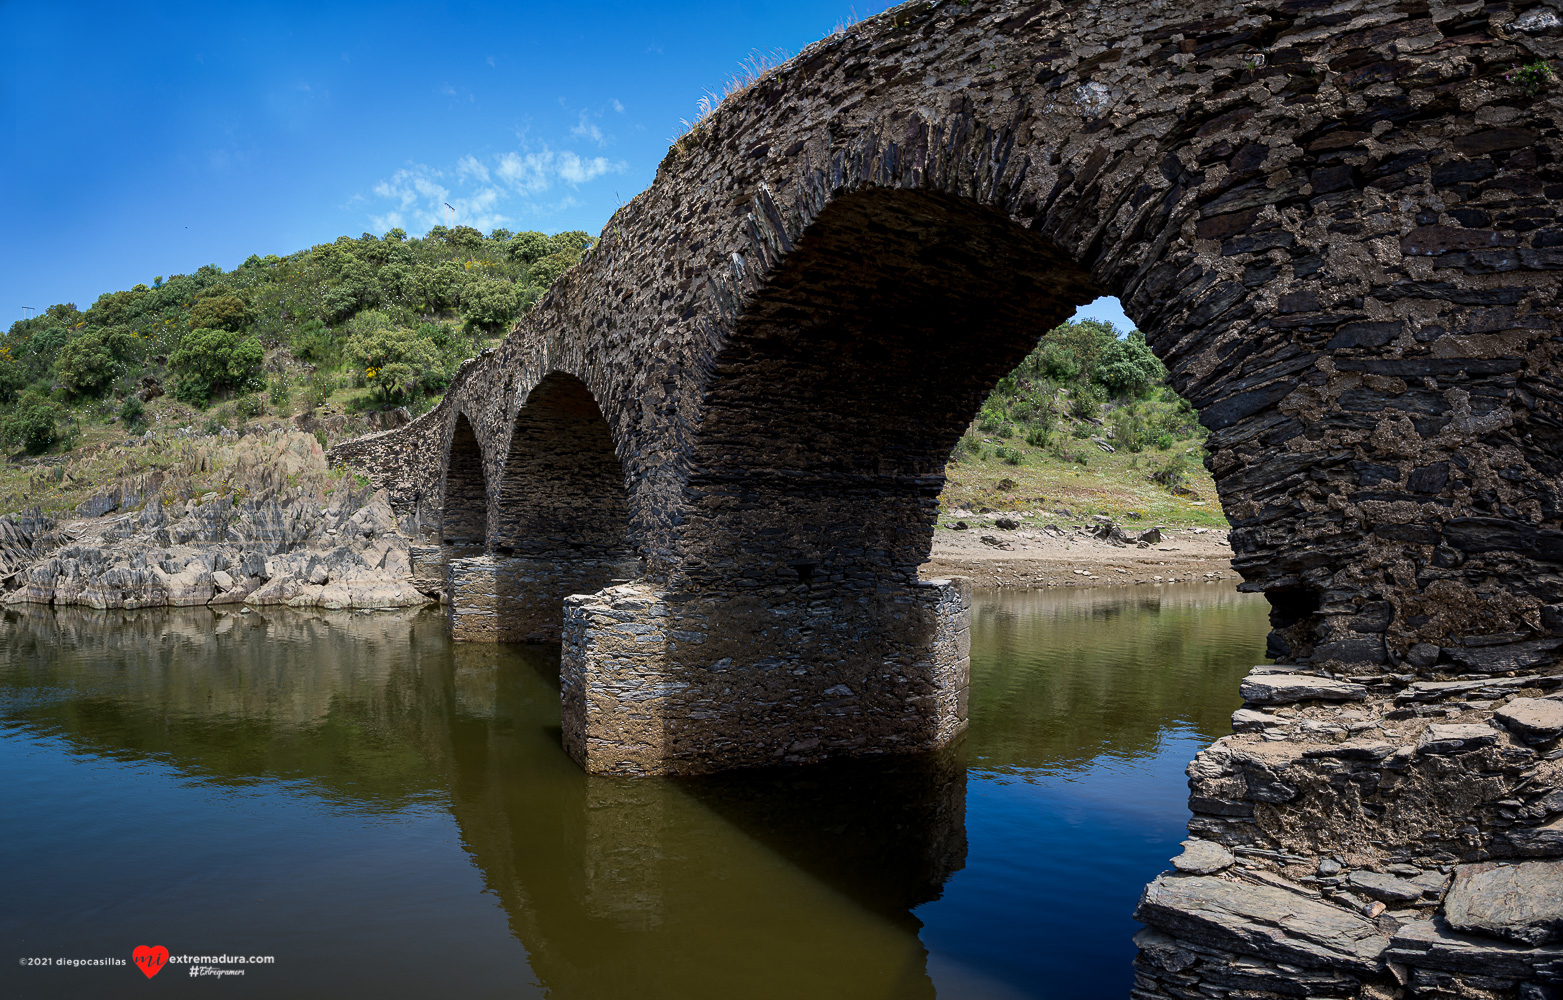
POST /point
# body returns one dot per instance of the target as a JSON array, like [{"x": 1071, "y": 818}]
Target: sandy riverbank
[{"x": 1038, "y": 558}]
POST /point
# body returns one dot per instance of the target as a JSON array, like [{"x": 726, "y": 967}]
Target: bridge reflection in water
[
  {"x": 614, "y": 887},
  {"x": 351, "y": 792}
]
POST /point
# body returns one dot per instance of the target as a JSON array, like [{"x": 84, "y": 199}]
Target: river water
[{"x": 385, "y": 813}]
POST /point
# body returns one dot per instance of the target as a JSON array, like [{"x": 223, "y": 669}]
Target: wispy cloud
[
  {"x": 587, "y": 129},
  {"x": 485, "y": 193}
]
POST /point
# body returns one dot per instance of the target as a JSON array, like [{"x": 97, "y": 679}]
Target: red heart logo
[{"x": 150, "y": 960}]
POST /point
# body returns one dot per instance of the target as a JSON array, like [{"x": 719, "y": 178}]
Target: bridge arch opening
[
  {"x": 561, "y": 519},
  {"x": 850, "y": 379},
  {"x": 464, "y": 510}
]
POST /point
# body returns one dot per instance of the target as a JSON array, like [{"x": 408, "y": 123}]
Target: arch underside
[{"x": 837, "y": 402}]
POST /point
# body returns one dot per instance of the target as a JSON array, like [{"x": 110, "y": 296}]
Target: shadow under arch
[
  {"x": 561, "y": 523},
  {"x": 464, "y": 510}
]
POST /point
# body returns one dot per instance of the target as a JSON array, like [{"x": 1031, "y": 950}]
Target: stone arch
[
  {"x": 829, "y": 416},
  {"x": 563, "y": 489},
  {"x": 464, "y": 507},
  {"x": 560, "y": 522}
]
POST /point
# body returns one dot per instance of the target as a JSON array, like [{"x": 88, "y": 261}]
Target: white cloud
[
  {"x": 617, "y": 106},
  {"x": 575, "y": 170},
  {"x": 484, "y": 193},
  {"x": 587, "y": 129}
]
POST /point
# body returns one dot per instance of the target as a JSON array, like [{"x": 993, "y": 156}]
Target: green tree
[
  {"x": 220, "y": 312},
  {"x": 133, "y": 413},
  {"x": 548, "y": 269},
  {"x": 572, "y": 241},
  {"x": 488, "y": 305},
  {"x": 34, "y": 423},
  {"x": 394, "y": 362},
  {"x": 437, "y": 286},
  {"x": 466, "y": 239},
  {"x": 208, "y": 361},
  {"x": 526, "y": 247},
  {"x": 1128, "y": 368},
  {"x": 13, "y": 376},
  {"x": 87, "y": 365}
]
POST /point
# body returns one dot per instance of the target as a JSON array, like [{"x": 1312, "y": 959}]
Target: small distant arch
[
  {"x": 464, "y": 511},
  {"x": 563, "y": 494}
]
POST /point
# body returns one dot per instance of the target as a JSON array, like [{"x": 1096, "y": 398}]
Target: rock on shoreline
[{"x": 317, "y": 544}]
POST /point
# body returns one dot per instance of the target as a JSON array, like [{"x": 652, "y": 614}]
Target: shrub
[
  {"x": 527, "y": 247},
  {"x": 281, "y": 392},
  {"x": 1009, "y": 456},
  {"x": 249, "y": 406},
  {"x": 1038, "y": 437},
  {"x": 548, "y": 269},
  {"x": 220, "y": 312},
  {"x": 313, "y": 341},
  {"x": 209, "y": 361},
  {"x": 13, "y": 376},
  {"x": 1084, "y": 402},
  {"x": 1128, "y": 368},
  {"x": 34, "y": 423},
  {"x": 488, "y": 305},
  {"x": 133, "y": 412}
]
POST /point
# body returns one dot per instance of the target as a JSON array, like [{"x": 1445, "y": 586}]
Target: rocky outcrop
[
  {"x": 1370, "y": 835},
  {"x": 329, "y": 544}
]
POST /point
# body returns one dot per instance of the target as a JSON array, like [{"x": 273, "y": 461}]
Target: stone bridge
[{"x": 708, "y": 460}]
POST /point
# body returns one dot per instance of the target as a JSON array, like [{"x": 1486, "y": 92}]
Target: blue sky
[{"x": 148, "y": 140}]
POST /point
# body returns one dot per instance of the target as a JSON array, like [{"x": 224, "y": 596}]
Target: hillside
[{"x": 352, "y": 336}]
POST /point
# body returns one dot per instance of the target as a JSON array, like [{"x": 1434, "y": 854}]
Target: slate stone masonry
[{"x": 1338, "y": 225}]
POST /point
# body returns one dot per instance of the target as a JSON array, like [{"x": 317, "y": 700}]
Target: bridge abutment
[{"x": 655, "y": 682}]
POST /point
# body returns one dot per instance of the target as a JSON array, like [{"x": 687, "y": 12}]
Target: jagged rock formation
[
  {"x": 321, "y": 545},
  {"x": 1338, "y": 226}
]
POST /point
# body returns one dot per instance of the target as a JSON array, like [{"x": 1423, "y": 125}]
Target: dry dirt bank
[{"x": 1072, "y": 557}]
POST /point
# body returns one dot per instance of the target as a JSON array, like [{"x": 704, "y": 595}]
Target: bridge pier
[
  {"x": 658, "y": 682},
  {"x": 518, "y": 599}
]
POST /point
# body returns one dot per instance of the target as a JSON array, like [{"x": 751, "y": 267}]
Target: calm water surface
[{"x": 390, "y": 814}]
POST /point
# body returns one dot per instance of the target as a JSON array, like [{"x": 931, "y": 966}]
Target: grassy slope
[{"x": 1115, "y": 484}]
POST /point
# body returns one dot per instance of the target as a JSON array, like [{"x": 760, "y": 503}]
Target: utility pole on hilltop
[{"x": 29, "y": 310}]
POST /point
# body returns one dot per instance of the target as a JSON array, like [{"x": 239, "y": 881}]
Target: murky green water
[{"x": 388, "y": 814}]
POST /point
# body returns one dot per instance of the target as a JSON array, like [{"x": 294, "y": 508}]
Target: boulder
[
  {"x": 1455, "y": 738},
  {"x": 1385, "y": 888},
  {"x": 1535, "y": 720},
  {"x": 1270, "y": 922},
  {"x": 1521, "y": 902},
  {"x": 1202, "y": 857},
  {"x": 1429, "y": 944},
  {"x": 1281, "y": 689}
]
